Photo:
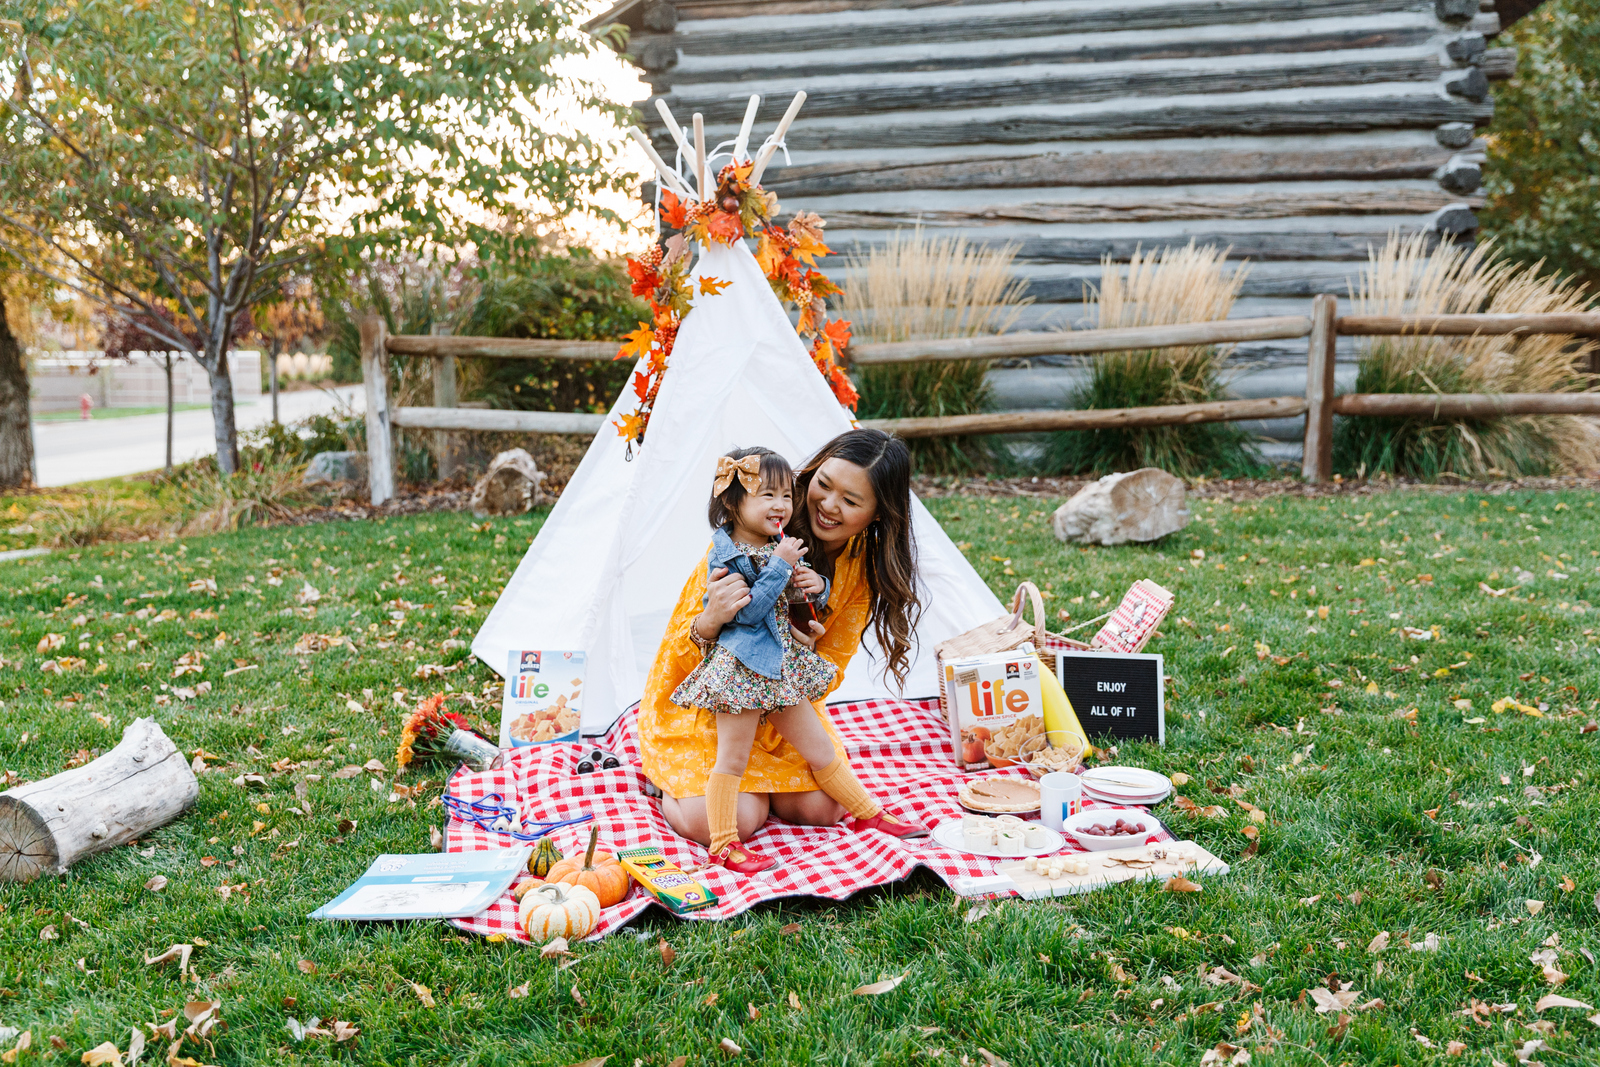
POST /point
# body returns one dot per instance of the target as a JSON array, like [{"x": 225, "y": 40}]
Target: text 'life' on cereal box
[
  {"x": 544, "y": 697},
  {"x": 996, "y": 707}
]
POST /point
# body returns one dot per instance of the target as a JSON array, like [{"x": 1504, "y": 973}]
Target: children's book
[
  {"x": 434, "y": 885},
  {"x": 544, "y": 697}
]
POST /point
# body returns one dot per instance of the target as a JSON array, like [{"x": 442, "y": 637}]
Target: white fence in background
[{"x": 60, "y": 379}]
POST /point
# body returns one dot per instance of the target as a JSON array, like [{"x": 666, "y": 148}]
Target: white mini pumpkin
[{"x": 555, "y": 909}]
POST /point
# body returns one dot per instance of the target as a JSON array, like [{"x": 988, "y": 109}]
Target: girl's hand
[
  {"x": 725, "y": 594},
  {"x": 808, "y": 581},
  {"x": 810, "y": 639},
  {"x": 790, "y": 549}
]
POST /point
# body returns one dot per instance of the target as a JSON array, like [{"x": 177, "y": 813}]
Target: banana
[{"x": 1058, "y": 713}]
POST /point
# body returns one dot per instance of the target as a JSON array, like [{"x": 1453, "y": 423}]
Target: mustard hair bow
[{"x": 747, "y": 469}]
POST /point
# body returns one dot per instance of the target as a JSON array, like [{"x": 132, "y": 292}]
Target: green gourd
[{"x": 547, "y": 855}]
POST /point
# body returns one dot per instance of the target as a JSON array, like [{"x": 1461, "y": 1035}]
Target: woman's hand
[
  {"x": 808, "y": 581},
  {"x": 790, "y": 549},
  {"x": 810, "y": 639},
  {"x": 725, "y": 594}
]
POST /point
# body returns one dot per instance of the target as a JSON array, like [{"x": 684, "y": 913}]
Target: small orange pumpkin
[{"x": 598, "y": 871}]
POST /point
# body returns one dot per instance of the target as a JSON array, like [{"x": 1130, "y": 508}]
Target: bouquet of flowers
[{"x": 432, "y": 733}]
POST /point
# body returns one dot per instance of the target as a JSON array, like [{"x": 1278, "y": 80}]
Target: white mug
[{"x": 1060, "y": 796}]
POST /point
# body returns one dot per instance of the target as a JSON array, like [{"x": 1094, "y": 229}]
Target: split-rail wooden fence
[{"x": 1319, "y": 405}]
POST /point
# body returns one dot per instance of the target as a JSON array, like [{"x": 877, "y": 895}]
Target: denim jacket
[{"x": 754, "y": 636}]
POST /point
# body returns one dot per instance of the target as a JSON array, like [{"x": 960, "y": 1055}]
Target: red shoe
[
  {"x": 743, "y": 859},
  {"x": 888, "y": 824}
]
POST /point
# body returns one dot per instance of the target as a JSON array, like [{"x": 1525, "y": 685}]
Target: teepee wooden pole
[
  {"x": 741, "y": 147},
  {"x": 777, "y": 138},
  {"x": 702, "y": 170},
  {"x": 668, "y": 178},
  {"x": 673, "y": 128}
]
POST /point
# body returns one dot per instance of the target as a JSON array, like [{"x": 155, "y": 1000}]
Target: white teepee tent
[{"x": 609, "y": 563}]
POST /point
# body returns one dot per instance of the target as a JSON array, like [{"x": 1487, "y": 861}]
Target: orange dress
[{"x": 678, "y": 745}]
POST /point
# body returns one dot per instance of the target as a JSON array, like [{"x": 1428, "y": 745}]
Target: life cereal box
[
  {"x": 996, "y": 707},
  {"x": 544, "y": 698}
]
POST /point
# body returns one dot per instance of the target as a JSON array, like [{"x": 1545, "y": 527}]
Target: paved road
[{"x": 108, "y": 448}]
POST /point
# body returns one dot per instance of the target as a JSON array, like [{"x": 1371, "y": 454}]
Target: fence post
[
  {"x": 1318, "y": 462},
  {"x": 444, "y": 396},
  {"x": 380, "y": 434}
]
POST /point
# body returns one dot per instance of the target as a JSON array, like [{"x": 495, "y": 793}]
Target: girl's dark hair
[
  {"x": 887, "y": 544},
  {"x": 775, "y": 470}
]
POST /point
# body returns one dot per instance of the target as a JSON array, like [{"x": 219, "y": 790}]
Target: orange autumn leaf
[
  {"x": 631, "y": 426},
  {"x": 637, "y": 344},
  {"x": 672, "y": 210},
  {"x": 838, "y": 332},
  {"x": 725, "y": 228},
  {"x": 768, "y": 256},
  {"x": 710, "y": 286},
  {"x": 641, "y": 384}
]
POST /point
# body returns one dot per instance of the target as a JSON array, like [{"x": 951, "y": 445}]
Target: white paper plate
[
  {"x": 1126, "y": 781},
  {"x": 948, "y": 834},
  {"x": 1124, "y": 798}
]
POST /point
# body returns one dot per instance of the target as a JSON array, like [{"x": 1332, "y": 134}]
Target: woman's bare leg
[
  {"x": 814, "y": 808},
  {"x": 687, "y": 817}
]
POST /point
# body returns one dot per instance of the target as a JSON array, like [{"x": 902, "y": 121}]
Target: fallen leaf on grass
[
  {"x": 991, "y": 1059},
  {"x": 711, "y": 1000},
  {"x": 518, "y": 992},
  {"x": 1456, "y": 1048},
  {"x": 1337, "y": 1030},
  {"x": 24, "y": 1043},
  {"x": 157, "y": 883},
  {"x": 174, "y": 952},
  {"x": 879, "y": 988},
  {"x": 668, "y": 953},
  {"x": 728, "y": 1047},
  {"x": 577, "y": 996},
  {"x": 790, "y": 928},
  {"x": 1179, "y": 884},
  {"x": 1327, "y": 1000},
  {"x": 307, "y": 967},
  {"x": 105, "y": 1052},
  {"x": 1534, "y": 906},
  {"x": 752, "y": 1011},
  {"x": 597, "y": 1061},
  {"x": 424, "y": 994},
  {"x": 135, "y": 1045},
  {"x": 1556, "y": 1000},
  {"x": 1225, "y": 1053},
  {"x": 976, "y": 912},
  {"x": 794, "y": 1001},
  {"x": 1427, "y": 944},
  {"x": 1180, "y": 779},
  {"x": 557, "y": 947},
  {"x": 1379, "y": 943}
]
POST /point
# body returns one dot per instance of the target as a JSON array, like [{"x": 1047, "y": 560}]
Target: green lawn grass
[
  {"x": 1388, "y": 808},
  {"x": 114, "y": 413}
]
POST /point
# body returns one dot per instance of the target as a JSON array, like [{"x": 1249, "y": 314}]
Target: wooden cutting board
[{"x": 1105, "y": 869}]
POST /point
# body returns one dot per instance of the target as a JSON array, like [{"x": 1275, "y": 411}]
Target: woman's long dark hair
[{"x": 887, "y": 543}]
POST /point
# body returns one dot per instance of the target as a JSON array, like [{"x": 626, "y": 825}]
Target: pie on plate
[{"x": 1007, "y": 794}]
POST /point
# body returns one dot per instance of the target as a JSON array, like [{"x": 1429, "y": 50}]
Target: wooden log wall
[{"x": 1296, "y": 132}]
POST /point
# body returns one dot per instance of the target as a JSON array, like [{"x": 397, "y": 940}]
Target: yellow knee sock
[
  {"x": 840, "y": 782},
  {"x": 722, "y": 809}
]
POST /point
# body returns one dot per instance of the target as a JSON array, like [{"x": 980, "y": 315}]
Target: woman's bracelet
[{"x": 694, "y": 633}]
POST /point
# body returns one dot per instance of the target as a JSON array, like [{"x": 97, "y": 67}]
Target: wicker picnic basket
[{"x": 1004, "y": 634}]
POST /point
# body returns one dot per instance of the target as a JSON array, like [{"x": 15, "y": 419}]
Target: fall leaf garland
[{"x": 786, "y": 254}]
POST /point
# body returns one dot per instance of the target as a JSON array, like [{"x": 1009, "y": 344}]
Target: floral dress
[{"x": 722, "y": 684}]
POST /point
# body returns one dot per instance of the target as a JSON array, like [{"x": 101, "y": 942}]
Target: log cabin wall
[{"x": 1295, "y": 132}]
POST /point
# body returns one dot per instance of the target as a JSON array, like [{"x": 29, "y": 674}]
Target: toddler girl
[{"x": 756, "y": 668}]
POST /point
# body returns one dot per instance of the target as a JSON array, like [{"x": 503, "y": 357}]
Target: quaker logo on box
[
  {"x": 1119, "y": 695},
  {"x": 1013, "y": 670}
]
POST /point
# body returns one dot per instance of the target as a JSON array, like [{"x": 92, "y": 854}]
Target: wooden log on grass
[
  {"x": 1583, "y": 324},
  {"x": 1465, "y": 405},
  {"x": 1274, "y": 407},
  {"x": 47, "y": 826},
  {"x": 1074, "y": 342}
]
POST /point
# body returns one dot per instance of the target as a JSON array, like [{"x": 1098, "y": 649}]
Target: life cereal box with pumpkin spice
[
  {"x": 996, "y": 708},
  {"x": 544, "y": 698}
]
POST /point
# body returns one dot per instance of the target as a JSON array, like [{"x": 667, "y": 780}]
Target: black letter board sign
[{"x": 1116, "y": 694}]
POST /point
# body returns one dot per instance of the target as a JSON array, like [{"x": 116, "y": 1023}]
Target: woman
[{"x": 854, "y": 514}]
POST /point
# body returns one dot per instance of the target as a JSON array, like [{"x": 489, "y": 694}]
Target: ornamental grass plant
[
  {"x": 916, "y": 287},
  {"x": 1159, "y": 288},
  {"x": 1407, "y": 277}
]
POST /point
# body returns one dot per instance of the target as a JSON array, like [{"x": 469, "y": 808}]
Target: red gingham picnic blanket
[{"x": 899, "y": 748}]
